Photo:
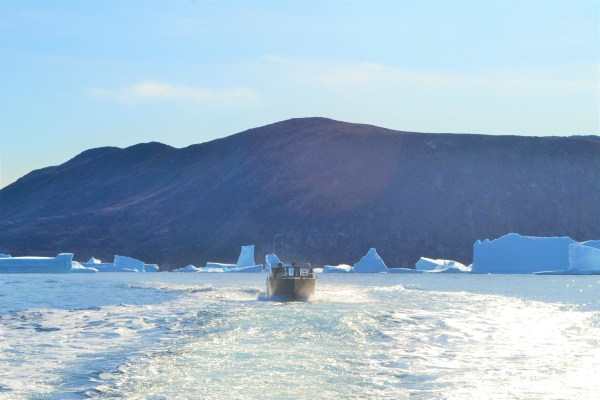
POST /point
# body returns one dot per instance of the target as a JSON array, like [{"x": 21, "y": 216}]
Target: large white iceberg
[
  {"x": 370, "y": 263},
  {"x": 584, "y": 257},
  {"x": 246, "y": 258},
  {"x": 2, "y": 255},
  {"x": 187, "y": 268},
  {"x": 440, "y": 266},
  {"x": 342, "y": 268},
  {"x": 516, "y": 254},
  {"x": 583, "y": 260},
  {"x": 61, "y": 264}
]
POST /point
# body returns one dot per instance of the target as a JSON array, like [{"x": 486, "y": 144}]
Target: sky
[{"x": 78, "y": 74}]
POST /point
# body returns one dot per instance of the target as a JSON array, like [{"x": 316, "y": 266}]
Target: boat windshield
[{"x": 293, "y": 270}]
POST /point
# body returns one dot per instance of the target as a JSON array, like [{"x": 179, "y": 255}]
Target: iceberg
[
  {"x": 342, "y": 268},
  {"x": 80, "y": 269},
  {"x": 217, "y": 267},
  {"x": 516, "y": 254},
  {"x": 120, "y": 264},
  {"x": 245, "y": 263},
  {"x": 246, "y": 258},
  {"x": 440, "y": 266},
  {"x": 151, "y": 268},
  {"x": 61, "y": 264},
  {"x": 2, "y": 255},
  {"x": 584, "y": 257},
  {"x": 253, "y": 268},
  {"x": 370, "y": 263},
  {"x": 583, "y": 260},
  {"x": 105, "y": 267},
  {"x": 271, "y": 261},
  {"x": 592, "y": 243},
  {"x": 129, "y": 263},
  {"x": 187, "y": 268}
]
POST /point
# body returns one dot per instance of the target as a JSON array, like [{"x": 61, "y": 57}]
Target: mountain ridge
[{"x": 315, "y": 188}]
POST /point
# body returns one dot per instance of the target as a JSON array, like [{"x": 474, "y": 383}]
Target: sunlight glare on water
[{"x": 370, "y": 336}]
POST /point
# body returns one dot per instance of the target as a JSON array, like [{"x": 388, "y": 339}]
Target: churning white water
[{"x": 215, "y": 336}]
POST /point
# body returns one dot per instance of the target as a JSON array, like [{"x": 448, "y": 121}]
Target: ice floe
[
  {"x": 78, "y": 268},
  {"x": 187, "y": 268},
  {"x": 342, "y": 268},
  {"x": 440, "y": 266},
  {"x": 404, "y": 271},
  {"x": 253, "y": 268}
]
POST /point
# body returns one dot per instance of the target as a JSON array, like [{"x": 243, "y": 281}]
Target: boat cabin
[{"x": 296, "y": 270}]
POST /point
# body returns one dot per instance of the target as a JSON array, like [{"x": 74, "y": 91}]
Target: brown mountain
[{"x": 314, "y": 189}]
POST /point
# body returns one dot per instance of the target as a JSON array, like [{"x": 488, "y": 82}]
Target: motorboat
[{"x": 291, "y": 282}]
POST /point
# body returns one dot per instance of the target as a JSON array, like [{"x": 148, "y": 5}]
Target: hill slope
[{"x": 316, "y": 189}]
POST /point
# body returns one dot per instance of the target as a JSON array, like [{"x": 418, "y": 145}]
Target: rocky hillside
[{"x": 315, "y": 189}]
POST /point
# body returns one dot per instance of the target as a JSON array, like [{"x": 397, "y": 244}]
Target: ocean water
[{"x": 216, "y": 336}]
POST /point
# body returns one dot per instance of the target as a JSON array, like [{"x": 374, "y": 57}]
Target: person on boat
[
  {"x": 279, "y": 269},
  {"x": 296, "y": 269}
]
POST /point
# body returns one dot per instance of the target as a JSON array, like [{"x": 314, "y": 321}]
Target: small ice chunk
[{"x": 342, "y": 268}]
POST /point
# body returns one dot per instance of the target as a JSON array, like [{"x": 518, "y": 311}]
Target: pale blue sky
[{"x": 82, "y": 74}]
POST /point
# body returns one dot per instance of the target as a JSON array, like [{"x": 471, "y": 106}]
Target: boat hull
[{"x": 291, "y": 288}]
